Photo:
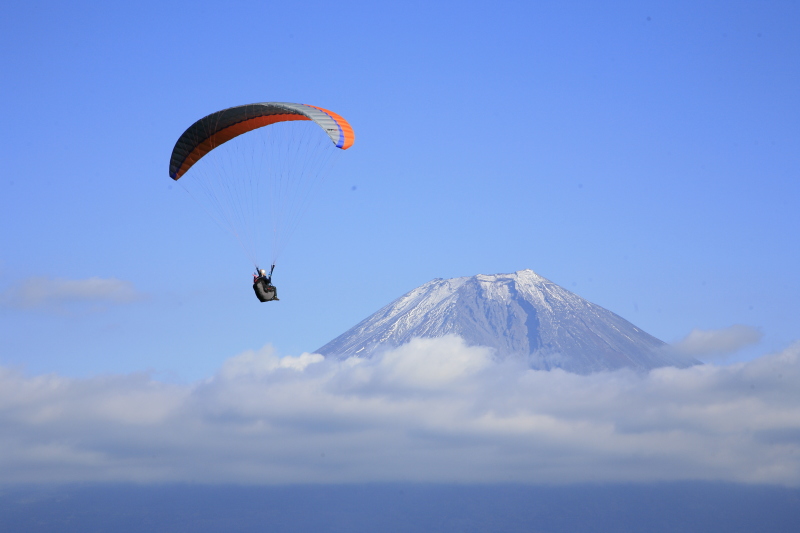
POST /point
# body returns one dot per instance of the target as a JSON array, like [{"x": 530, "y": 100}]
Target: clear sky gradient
[{"x": 641, "y": 154}]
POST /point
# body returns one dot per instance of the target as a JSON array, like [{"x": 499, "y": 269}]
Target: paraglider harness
[{"x": 263, "y": 287}]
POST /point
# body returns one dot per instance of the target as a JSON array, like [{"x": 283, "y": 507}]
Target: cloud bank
[
  {"x": 433, "y": 410},
  {"x": 46, "y": 293}
]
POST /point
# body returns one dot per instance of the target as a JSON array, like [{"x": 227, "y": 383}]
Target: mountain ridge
[{"x": 521, "y": 314}]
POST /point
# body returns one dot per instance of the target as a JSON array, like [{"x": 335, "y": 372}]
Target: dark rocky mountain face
[{"x": 519, "y": 315}]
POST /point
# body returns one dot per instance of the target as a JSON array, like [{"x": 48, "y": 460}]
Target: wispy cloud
[
  {"x": 710, "y": 343},
  {"x": 432, "y": 410},
  {"x": 44, "y": 293}
]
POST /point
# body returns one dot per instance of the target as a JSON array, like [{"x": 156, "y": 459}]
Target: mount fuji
[{"x": 519, "y": 315}]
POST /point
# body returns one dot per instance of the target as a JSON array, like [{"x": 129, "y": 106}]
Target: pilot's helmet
[{"x": 263, "y": 272}]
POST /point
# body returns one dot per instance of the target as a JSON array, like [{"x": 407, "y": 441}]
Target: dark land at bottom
[{"x": 386, "y": 508}]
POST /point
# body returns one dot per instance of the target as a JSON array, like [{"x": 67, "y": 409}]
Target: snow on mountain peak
[{"x": 518, "y": 315}]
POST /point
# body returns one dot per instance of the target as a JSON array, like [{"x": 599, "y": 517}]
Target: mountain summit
[{"x": 519, "y": 315}]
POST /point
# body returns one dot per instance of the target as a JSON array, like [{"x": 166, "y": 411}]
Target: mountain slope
[{"x": 519, "y": 315}]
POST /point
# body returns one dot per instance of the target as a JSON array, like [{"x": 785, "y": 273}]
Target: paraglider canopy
[{"x": 222, "y": 126}]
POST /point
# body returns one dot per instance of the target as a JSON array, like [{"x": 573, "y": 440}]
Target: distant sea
[{"x": 388, "y": 508}]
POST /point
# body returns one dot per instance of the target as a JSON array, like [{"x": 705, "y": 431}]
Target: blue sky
[{"x": 641, "y": 154}]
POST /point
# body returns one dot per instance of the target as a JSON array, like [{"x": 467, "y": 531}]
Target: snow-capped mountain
[{"x": 518, "y": 315}]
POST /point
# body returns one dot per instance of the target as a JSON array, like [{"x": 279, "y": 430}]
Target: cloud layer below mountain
[{"x": 432, "y": 410}]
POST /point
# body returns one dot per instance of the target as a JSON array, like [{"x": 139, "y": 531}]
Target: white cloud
[
  {"x": 433, "y": 410},
  {"x": 718, "y": 342},
  {"x": 41, "y": 292},
  {"x": 258, "y": 364}
]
